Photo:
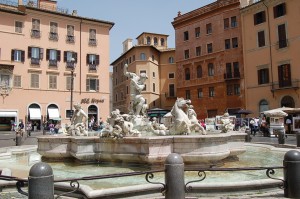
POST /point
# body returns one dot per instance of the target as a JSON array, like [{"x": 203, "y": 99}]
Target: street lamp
[{"x": 72, "y": 80}]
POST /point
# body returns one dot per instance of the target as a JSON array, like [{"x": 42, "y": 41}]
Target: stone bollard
[
  {"x": 291, "y": 171},
  {"x": 248, "y": 138},
  {"x": 41, "y": 181},
  {"x": 174, "y": 177},
  {"x": 281, "y": 137},
  {"x": 18, "y": 139},
  {"x": 298, "y": 138}
]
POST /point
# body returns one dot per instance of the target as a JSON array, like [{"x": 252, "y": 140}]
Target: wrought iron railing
[
  {"x": 292, "y": 84},
  {"x": 149, "y": 176}
]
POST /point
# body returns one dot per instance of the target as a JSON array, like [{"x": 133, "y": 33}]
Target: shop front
[{"x": 7, "y": 118}]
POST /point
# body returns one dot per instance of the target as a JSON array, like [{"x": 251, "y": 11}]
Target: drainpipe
[
  {"x": 80, "y": 58},
  {"x": 270, "y": 47}
]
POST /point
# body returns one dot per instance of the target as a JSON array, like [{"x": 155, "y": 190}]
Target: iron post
[
  {"x": 72, "y": 80},
  {"x": 291, "y": 171},
  {"x": 281, "y": 137}
]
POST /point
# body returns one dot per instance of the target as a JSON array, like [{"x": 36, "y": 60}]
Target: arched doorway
[
  {"x": 263, "y": 105},
  {"x": 34, "y": 116},
  {"x": 93, "y": 112},
  {"x": 53, "y": 115},
  {"x": 288, "y": 101}
]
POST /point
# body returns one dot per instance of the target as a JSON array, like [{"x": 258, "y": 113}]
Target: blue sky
[{"x": 132, "y": 17}]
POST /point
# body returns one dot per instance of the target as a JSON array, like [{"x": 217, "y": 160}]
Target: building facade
[
  {"x": 209, "y": 58},
  {"x": 43, "y": 51},
  {"x": 152, "y": 56},
  {"x": 271, "y": 47}
]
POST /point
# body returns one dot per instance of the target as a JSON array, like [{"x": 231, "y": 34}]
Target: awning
[
  {"x": 53, "y": 114},
  {"x": 35, "y": 113},
  {"x": 8, "y": 114}
]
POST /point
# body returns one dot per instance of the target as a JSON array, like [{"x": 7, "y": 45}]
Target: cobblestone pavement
[{"x": 11, "y": 194}]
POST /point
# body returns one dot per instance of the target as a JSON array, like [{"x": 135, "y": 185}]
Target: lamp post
[{"x": 72, "y": 80}]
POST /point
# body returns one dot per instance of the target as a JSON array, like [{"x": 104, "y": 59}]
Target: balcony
[
  {"x": 92, "y": 67},
  {"x": 291, "y": 84},
  {"x": 35, "y": 61},
  {"x": 35, "y": 34},
  {"x": 70, "y": 65},
  {"x": 53, "y": 63},
  {"x": 232, "y": 76},
  {"x": 53, "y": 36},
  {"x": 70, "y": 39},
  {"x": 282, "y": 44},
  {"x": 93, "y": 42}
]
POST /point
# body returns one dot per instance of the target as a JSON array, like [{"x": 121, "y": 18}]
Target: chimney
[
  {"x": 127, "y": 44},
  {"x": 74, "y": 13},
  {"x": 47, "y": 5}
]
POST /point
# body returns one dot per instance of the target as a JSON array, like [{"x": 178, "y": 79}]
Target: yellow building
[
  {"x": 271, "y": 54},
  {"x": 152, "y": 56},
  {"x": 41, "y": 46}
]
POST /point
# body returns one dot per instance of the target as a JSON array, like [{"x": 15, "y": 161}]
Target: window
[
  {"x": 200, "y": 93},
  {"x": 142, "y": 56},
  {"x": 261, "y": 38},
  {"x": 237, "y": 89},
  {"x": 208, "y": 28},
  {"x": 226, "y": 23},
  {"x": 186, "y": 36},
  {"x": 153, "y": 74},
  {"x": 259, "y": 17},
  {"x": 162, "y": 41},
  {"x": 284, "y": 75},
  {"x": 171, "y": 90},
  {"x": 17, "y": 81},
  {"x": 279, "y": 10},
  {"x": 70, "y": 34},
  {"x": 212, "y": 113},
  {"x": 92, "y": 37},
  {"x": 18, "y": 26},
  {"x": 187, "y": 94},
  {"x": 186, "y": 54},
  {"x": 209, "y": 48},
  {"x": 282, "y": 41},
  {"x": 69, "y": 56},
  {"x": 5, "y": 79},
  {"x": 199, "y": 71},
  {"x": 68, "y": 82},
  {"x": 153, "y": 58},
  {"x": 171, "y": 75},
  {"x": 171, "y": 60},
  {"x": 52, "y": 81},
  {"x": 263, "y": 106},
  {"x": 229, "y": 90},
  {"x": 211, "y": 91},
  {"x": 148, "y": 40},
  {"x": 153, "y": 87},
  {"x": 35, "y": 81},
  {"x": 235, "y": 43},
  {"x": 53, "y": 31},
  {"x": 35, "y": 31},
  {"x": 155, "y": 41},
  {"x": 198, "y": 51},
  {"x": 197, "y": 32},
  {"x": 233, "y": 22},
  {"x": 228, "y": 70},
  {"x": 35, "y": 54},
  {"x": 227, "y": 43},
  {"x": 127, "y": 90},
  {"x": 53, "y": 56},
  {"x": 211, "y": 70},
  {"x": 145, "y": 88},
  {"x": 187, "y": 74},
  {"x": 263, "y": 76},
  {"x": 236, "y": 69},
  {"x": 92, "y": 61},
  {"x": 92, "y": 84},
  {"x": 18, "y": 55}
]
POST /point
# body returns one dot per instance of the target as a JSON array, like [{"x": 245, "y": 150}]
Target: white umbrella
[{"x": 275, "y": 113}]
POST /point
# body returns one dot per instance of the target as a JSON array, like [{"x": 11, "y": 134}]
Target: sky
[{"x": 132, "y": 17}]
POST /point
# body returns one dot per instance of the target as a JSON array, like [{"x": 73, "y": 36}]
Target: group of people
[{"x": 95, "y": 125}]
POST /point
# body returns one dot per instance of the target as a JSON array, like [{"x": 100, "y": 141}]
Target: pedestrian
[
  {"x": 288, "y": 122},
  {"x": 57, "y": 127},
  {"x": 12, "y": 123},
  {"x": 29, "y": 128},
  {"x": 51, "y": 127}
]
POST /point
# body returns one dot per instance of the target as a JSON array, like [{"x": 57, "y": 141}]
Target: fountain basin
[{"x": 194, "y": 149}]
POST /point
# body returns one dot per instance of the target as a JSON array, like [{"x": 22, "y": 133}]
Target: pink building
[{"x": 41, "y": 47}]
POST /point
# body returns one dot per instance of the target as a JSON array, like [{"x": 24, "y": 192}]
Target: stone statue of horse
[{"x": 182, "y": 123}]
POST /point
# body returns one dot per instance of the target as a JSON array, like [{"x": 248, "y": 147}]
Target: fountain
[{"x": 133, "y": 138}]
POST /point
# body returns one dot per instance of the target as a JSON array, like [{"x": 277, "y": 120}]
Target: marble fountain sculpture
[{"x": 134, "y": 138}]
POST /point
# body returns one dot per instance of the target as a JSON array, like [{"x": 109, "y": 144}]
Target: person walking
[{"x": 29, "y": 128}]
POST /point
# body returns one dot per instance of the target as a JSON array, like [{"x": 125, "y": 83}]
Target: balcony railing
[
  {"x": 53, "y": 36},
  {"x": 92, "y": 67},
  {"x": 70, "y": 39},
  {"x": 93, "y": 42},
  {"x": 232, "y": 76},
  {"x": 292, "y": 84},
  {"x": 35, "y": 34},
  {"x": 35, "y": 61},
  {"x": 70, "y": 65},
  {"x": 53, "y": 63}
]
